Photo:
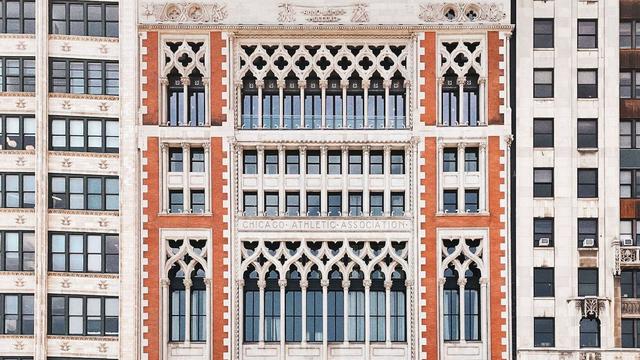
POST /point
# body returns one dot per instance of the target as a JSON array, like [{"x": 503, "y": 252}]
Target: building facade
[{"x": 318, "y": 180}]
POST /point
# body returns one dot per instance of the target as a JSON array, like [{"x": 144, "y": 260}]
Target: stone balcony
[{"x": 626, "y": 256}]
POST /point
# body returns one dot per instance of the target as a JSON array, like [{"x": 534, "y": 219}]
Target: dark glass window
[
  {"x": 355, "y": 162},
  {"x": 471, "y": 100},
  {"x": 471, "y": 201},
  {"x": 292, "y": 203},
  {"x": 334, "y": 203},
  {"x": 314, "y": 307},
  {"x": 83, "y": 315},
  {"x": 377, "y": 308},
  {"x": 271, "y": 162},
  {"x": 356, "y": 307},
  {"x": 17, "y": 74},
  {"x": 272, "y": 308},
  {"x": 544, "y": 332},
  {"x": 450, "y": 160},
  {"x": 197, "y": 202},
  {"x": 250, "y": 202},
  {"x": 376, "y": 162},
  {"x": 249, "y": 104},
  {"x": 450, "y": 201},
  {"x": 397, "y": 162},
  {"x": 197, "y": 160},
  {"x": 251, "y": 313},
  {"x": 271, "y": 204},
  {"x": 313, "y": 104},
  {"x": 542, "y": 229},
  {"x": 630, "y": 283},
  {"x": 293, "y": 308},
  {"x": 450, "y": 102},
  {"x": 543, "y": 282},
  {"x": 587, "y": 83},
  {"x": 17, "y": 250},
  {"x": 84, "y": 134},
  {"x": 291, "y": 102},
  {"x": 189, "y": 110},
  {"x": 587, "y": 231},
  {"x": 292, "y": 162},
  {"x": 542, "y": 83},
  {"x": 587, "y": 133},
  {"x": 175, "y": 159},
  {"x": 77, "y": 192},
  {"x": 626, "y": 34},
  {"x": 333, "y": 104},
  {"x": 375, "y": 104},
  {"x": 18, "y": 16},
  {"x": 335, "y": 308},
  {"x": 84, "y": 18},
  {"x": 397, "y": 104},
  {"x": 587, "y": 282},
  {"x": 543, "y": 33},
  {"x": 629, "y": 134},
  {"x": 398, "y": 307},
  {"x": 471, "y": 162},
  {"x": 630, "y": 230},
  {"x": 542, "y": 182},
  {"x": 355, "y": 204},
  {"x": 313, "y": 162},
  {"x": 587, "y": 183},
  {"x": 313, "y": 204},
  {"x": 626, "y": 85},
  {"x": 355, "y": 104},
  {"x": 250, "y": 162},
  {"x": 334, "y": 162},
  {"x": 631, "y": 333},
  {"x": 376, "y": 203},
  {"x": 451, "y": 301},
  {"x": 542, "y": 133},
  {"x": 83, "y": 252},
  {"x": 83, "y": 76},
  {"x": 175, "y": 100},
  {"x": 17, "y": 132},
  {"x": 16, "y": 312},
  {"x": 397, "y": 204},
  {"x": 589, "y": 333},
  {"x": 587, "y": 34},
  {"x": 17, "y": 190},
  {"x": 270, "y": 104},
  {"x": 176, "y": 201}
]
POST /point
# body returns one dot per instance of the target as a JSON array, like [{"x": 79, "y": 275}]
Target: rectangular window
[
  {"x": 334, "y": 203},
  {"x": 587, "y": 183},
  {"x": 587, "y": 232},
  {"x": 197, "y": 202},
  {"x": 543, "y": 133},
  {"x": 629, "y": 134},
  {"x": 17, "y": 190},
  {"x": 630, "y": 232},
  {"x": 471, "y": 201},
  {"x": 16, "y": 312},
  {"x": 626, "y": 34},
  {"x": 313, "y": 162},
  {"x": 630, "y": 333},
  {"x": 450, "y": 201},
  {"x": 78, "y": 192},
  {"x": 397, "y": 162},
  {"x": 397, "y": 204},
  {"x": 197, "y": 160},
  {"x": 176, "y": 201},
  {"x": 588, "y": 34},
  {"x": 376, "y": 162},
  {"x": 630, "y": 283},
  {"x": 355, "y": 162},
  {"x": 84, "y": 134},
  {"x": 543, "y": 332},
  {"x": 83, "y": 77},
  {"x": 471, "y": 161},
  {"x": 83, "y": 315},
  {"x": 543, "y": 229},
  {"x": 83, "y": 252},
  {"x": 542, "y": 83},
  {"x": 17, "y": 132},
  {"x": 587, "y": 282},
  {"x": 542, "y": 182},
  {"x": 626, "y": 84},
  {"x": 587, "y": 83},
  {"x": 17, "y": 74},
  {"x": 313, "y": 204},
  {"x": 543, "y": 282},
  {"x": 587, "y": 134},
  {"x": 271, "y": 204},
  {"x": 250, "y": 203},
  {"x": 376, "y": 203},
  {"x": 17, "y": 16},
  {"x": 292, "y": 201},
  {"x": 542, "y": 33},
  {"x": 334, "y": 162},
  {"x": 84, "y": 18},
  {"x": 175, "y": 160},
  {"x": 292, "y": 162},
  {"x": 450, "y": 160},
  {"x": 355, "y": 204},
  {"x": 17, "y": 250},
  {"x": 271, "y": 162},
  {"x": 250, "y": 162}
]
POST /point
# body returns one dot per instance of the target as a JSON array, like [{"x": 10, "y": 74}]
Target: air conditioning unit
[
  {"x": 544, "y": 242},
  {"x": 627, "y": 241},
  {"x": 589, "y": 242}
]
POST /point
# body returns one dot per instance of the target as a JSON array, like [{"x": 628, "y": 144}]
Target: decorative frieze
[
  {"x": 355, "y": 13},
  {"x": 190, "y": 12},
  {"x": 630, "y": 307},
  {"x": 461, "y": 12},
  {"x": 318, "y": 225}
]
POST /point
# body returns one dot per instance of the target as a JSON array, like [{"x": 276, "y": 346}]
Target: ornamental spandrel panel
[
  {"x": 83, "y": 163},
  {"x": 84, "y": 221},
  {"x": 18, "y": 45},
  {"x": 17, "y": 282},
  {"x": 84, "y": 283},
  {"x": 83, "y": 346},
  {"x": 84, "y": 105},
  {"x": 17, "y": 102},
  {"x": 630, "y": 308},
  {"x": 86, "y": 47},
  {"x": 17, "y": 160},
  {"x": 16, "y": 345}
]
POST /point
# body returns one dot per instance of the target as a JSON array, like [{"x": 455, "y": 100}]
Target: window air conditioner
[
  {"x": 589, "y": 242},
  {"x": 544, "y": 242},
  {"x": 627, "y": 241}
]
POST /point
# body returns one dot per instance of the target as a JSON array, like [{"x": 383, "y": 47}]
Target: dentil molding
[{"x": 185, "y": 12}]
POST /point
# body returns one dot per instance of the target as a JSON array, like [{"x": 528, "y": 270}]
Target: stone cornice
[
  {"x": 82, "y": 212},
  {"x": 93, "y": 155},
  {"x": 18, "y": 36},
  {"x": 83, "y": 338},
  {"x": 18, "y": 93},
  {"x": 98, "y": 39},
  {"x": 84, "y": 96},
  {"x": 85, "y": 275},
  {"x": 329, "y": 30}
]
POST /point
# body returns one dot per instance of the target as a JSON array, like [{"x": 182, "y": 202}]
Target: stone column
[
  {"x": 461, "y": 121},
  {"x": 302, "y": 84},
  {"x": 345, "y": 294},
  {"x": 323, "y": 172},
  {"x": 185, "y": 109},
  {"x": 344, "y": 84},
  {"x": 165, "y": 309},
  {"x": 482, "y": 117},
  {"x": 281, "y": 85},
  {"x": 462, "y": 282},
  {"x": 281, "y": 189},
  {"x": 325, "y": 298},
  {"x": 439, "y": 118},
  {"x": 260, "y": 86},
  {"x": 261, "y": 285},
  {"x": 365, "y": 88},
  {"x": 164, "y": 168},
  {"x": 387, "y": 297},
  {"x": 367, "y": 317},
  {"x": 323, "y": 89},
  {"x": 282, "y": 283},
  {"x": 387, "y": 86},
  {"x": 304, "y": 284}
]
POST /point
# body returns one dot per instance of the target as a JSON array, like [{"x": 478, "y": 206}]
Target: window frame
[
  {"x": 543, "y": 192},
  {"x": 634, "y": 133},
  {"x": 85, "y": 14},
  {"x": 586, "y": 37},
  {"x": 536, "y": 40},
  {"x": 104, "y": 255},
  {"x": 104, "y": 195},
  {"x": 587, "y": 90},
  {"x": 587, "y": 140},
  {"x": 250, "y": 167},
  {"x": 537, "y": 234},
  {"x": 582, "y": 234},
  {"x": 22, "y": 19},
  {"x": 19, "y": 316},
  {"x": 587, "y": 189},
  {"x": 22, "y": 254},
  {"x": 86, "y": 148},
  {"x": 585, "y": 279},
  {"x": 84, "y": 316},
  {"x": 634, "y": 334},
  {"x": 541, "y": 139},
  {"x": 544, "y": 282},
  {"x": 22, "y": 193},
  {"x": 538, "y": 322},
  {"x": 105, "y": 89},
  {"x": 585, "y": 333},
  {"x": 542, "y": 93},
  {"x": 22, "y": 75}
]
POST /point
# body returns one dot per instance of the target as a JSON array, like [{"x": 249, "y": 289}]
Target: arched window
[
  {"x": 470, "y": 99},
  {"x": 270, "y": 103},
  {"x": 397, "y": 103},
  {"x": 249, "y": 103},
  {"x": 196, "y": 99},
  {"x": 313, "y": 103},
  {"x": 251, "y": 306},
  {"x": 398, "y": 304},
  {"x": 450, "y": 93},
  {"x": 589, "y": 333},
  {"x": 335, "y": 308},
  {"x": 177, "y": 303},
  {"x": 175, "y": 99},
  {"x": 377, "y": 307},
  {"x": 292, "y": 103},
  {"x": 451, "y": 310},
  {"x": 333, "y": 103},
  {"x": 355, "y": 103},
  {"x": 375, "y": 103},
  {"x": 198, "y": 305},
  {"x": 293, "y": 307},
  {"x": 272, "y": 307},
  {"x": 356, "y": 306},
  {"x": 472, "y": 304},
  {"x": 314, "y": 306}
]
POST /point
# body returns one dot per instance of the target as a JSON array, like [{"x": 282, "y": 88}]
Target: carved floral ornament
[
  {"x": 356, "y": 13},
  {"x": 185, "y": 12},
  {"x": 461, "y": 12}
]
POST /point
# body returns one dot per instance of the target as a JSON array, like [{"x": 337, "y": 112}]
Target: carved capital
[
  {"x": 386, "y": 83},
  {"x": 281, "y": 84},
  {"x": 388, "y": 284},
  {"x": 262, "y": 284},
  {"x": 324, "y": 282},
  {"x": 462, "y": 282},
  {"x": 304, "y": 284},
  {"x": 346, "y": 284},
  {"x": 302, "y": 84},
  {"x": 344, "y": 84},
  {"x": 240, "y": 282},
  {"x": 323, "y": 84},
  {"x": 282, "y": 282},
  {"x": 366, "y": 283},
  {"x": 187, "y": 283},
  {"x": 260, "y": 84}
]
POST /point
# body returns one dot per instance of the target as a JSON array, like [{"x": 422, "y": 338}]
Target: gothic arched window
[
  {"x": 377, "y": 307},
  {"x": 314, "y": 306},
  {"x": 293, "y": 307}
]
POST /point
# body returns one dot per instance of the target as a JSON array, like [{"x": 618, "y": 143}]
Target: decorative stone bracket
[{"x": 590, "y": 306}]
